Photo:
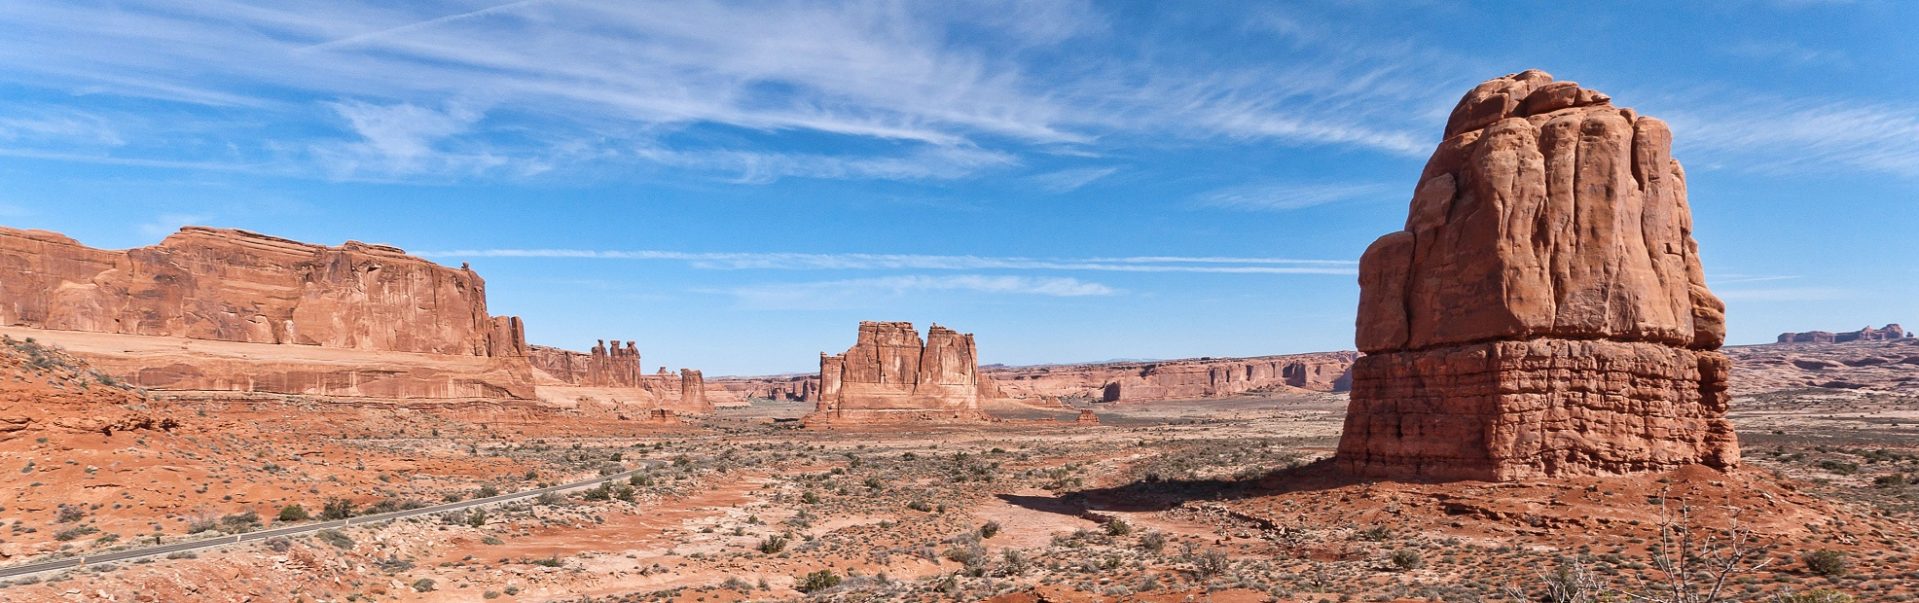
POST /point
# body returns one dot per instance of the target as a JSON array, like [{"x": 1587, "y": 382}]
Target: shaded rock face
[
  {"x": 1890, "y": 332},
  {"x": 1544, "y": 312},
  {"x": 233, "y": 285},
  {"x": 890, "y": 374}
]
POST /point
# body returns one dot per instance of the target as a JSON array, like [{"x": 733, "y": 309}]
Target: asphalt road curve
[{"x": 195, "y": 545}]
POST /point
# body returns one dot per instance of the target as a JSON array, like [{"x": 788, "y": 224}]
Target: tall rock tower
[
  {"x": 1544, "y": 312},
  {"x": 890, "y": 375}
]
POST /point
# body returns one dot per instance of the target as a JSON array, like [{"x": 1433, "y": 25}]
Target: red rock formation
[
  {"x": 1544, "y": 312},
  {"x": 1087, "y": 417},
  {"x": 233, "y": 285},
  {"x": 602, "y": 367},
  {"x": 1178, "y": 379},
  {"x": 1891, "y": 332},
  {"x": 693, "y": 390},
  {"x": 890, "y": 375}
]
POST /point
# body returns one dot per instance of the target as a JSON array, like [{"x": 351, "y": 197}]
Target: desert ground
[{"x": 1203, "y": 500}]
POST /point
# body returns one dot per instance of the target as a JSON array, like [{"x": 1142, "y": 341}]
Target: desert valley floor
[{"x": 1208, "y": 500}]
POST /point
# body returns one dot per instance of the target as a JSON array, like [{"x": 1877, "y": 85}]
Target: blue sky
[{"x": 735, "y": 185}]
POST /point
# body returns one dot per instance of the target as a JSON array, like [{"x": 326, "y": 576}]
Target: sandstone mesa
[
  {"x": 1544, "y": 312},
  {"x": 891, "y": 375}
]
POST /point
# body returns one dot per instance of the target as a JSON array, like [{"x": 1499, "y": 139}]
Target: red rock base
[{"x": 1514, "y": 410}]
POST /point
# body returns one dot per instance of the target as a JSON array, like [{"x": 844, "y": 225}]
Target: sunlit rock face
[
  {"x": 1543, "y": 312},
  {"x": 891, "y": 375}
]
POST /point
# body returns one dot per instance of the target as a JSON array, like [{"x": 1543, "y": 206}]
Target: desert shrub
[
  {"x": 423, "y": 585},
  {"x": 553, "y": 561},
  {"x": 1211, "y": 563},
  {"x": 1118, "y": 527},
  {"x": 919, "y": 505},
  {"x": 240, "y": 522},
  {"x": 74, "y": 532},
  {"x": 279, "y": 544},
  {"x": 1839, "y": 467},
  {"x": 70, "y": 513},
  {"x": 773, "y": 544},
  {"x": 1152, "y": 542},
  {"x": 336, "y": 538},
  {"x": 1825, "y": 562},
  {"x": 817, "y": 581},
  {"x": 294, "y": 513},
  {"x": 338, "y": 508},
  {"x": 487, "y": 491},
  {"x": 1814, "y": 596},
  {"x": 1407, "y": 559},
  {"x": 1376, "y": 534},
  {"x": 989, "y": 529}
]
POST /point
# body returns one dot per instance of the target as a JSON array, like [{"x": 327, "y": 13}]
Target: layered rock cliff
[
  {"x": 1544, "y": 311},
  {"x": 1890, "y": 332},
  {"x": 233, "y": 285},
  {"x": 890, "y": 374},
  {"x": 1190, "y": 379}
]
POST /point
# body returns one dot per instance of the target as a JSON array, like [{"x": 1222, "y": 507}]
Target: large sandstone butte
[
  {"x": 1190, "y": 379},
  {"x": 890, "y": 375},
  {"x": 1544, "y": 312},
  {"x": 234, "y": 285}
]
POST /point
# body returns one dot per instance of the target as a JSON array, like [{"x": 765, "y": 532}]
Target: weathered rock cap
[
  {"x": 1529, "y": 92},
  {"x": 1546, "y": 212}
]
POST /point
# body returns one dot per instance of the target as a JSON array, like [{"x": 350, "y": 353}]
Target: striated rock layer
[
  {"x": 1544, "y": 312},
  {"x": 890, "y": 375},
  {"x": 1890, "y": 332},
  {"x": 1191, "y": 379},
  {"x": 233, "y": 285}
]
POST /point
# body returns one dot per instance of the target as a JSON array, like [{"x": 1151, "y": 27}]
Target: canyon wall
[
  {"x": 1544, "y": 312},
  {"x": 890, "y": 374},
  {"x": 1890, "y": 332},
  {"x": 233, "y": 285},
  {"x": 1190, "y": 379}
]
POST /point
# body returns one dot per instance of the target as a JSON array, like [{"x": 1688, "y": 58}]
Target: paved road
[{"x": 194, "y": 545}]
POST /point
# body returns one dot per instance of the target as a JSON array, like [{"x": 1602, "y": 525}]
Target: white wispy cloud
[
  {"x": 960, "y": 82},
  {"x": 1788, "y": 52},
  {"x": 866, "y": 292},
  {"x": 1281, "y": 197},
  {"x": 1068, "y": 180},
  {"x": 930, "y": 163},
  {"x": 881, "y": 261},
  {"x": 1784, "y": 135}
]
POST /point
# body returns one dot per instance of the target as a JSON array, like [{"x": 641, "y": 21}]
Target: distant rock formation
[
  {"x": 1087, "y": 417},
  {"x": 602, "y": 367},
  {"x": 1544, "y": 312},
  {"x": 1890, "y": 332},
  {"x": 233, "y": 285},
  {"x": 1190, "y": 379},
  {"x": 890, "y": 375}
]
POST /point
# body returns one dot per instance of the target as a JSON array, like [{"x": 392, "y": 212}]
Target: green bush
[
  {"x": 294, "y": 513},
  {"x": 338, "y": 508},
  {"x": 817, "y": 581},
  {"x": 773, "y": 544}
]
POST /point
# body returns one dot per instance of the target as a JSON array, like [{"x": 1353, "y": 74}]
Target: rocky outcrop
[
  {"x": 603, "y": 366},
  {"x": 1191, "y": 379},
  {"x": 890, "y": 375},
  {"x": 1544, "y": 312},
  {"x": 233, "y": 285},
  {"x": 1890, "y": 332}
]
